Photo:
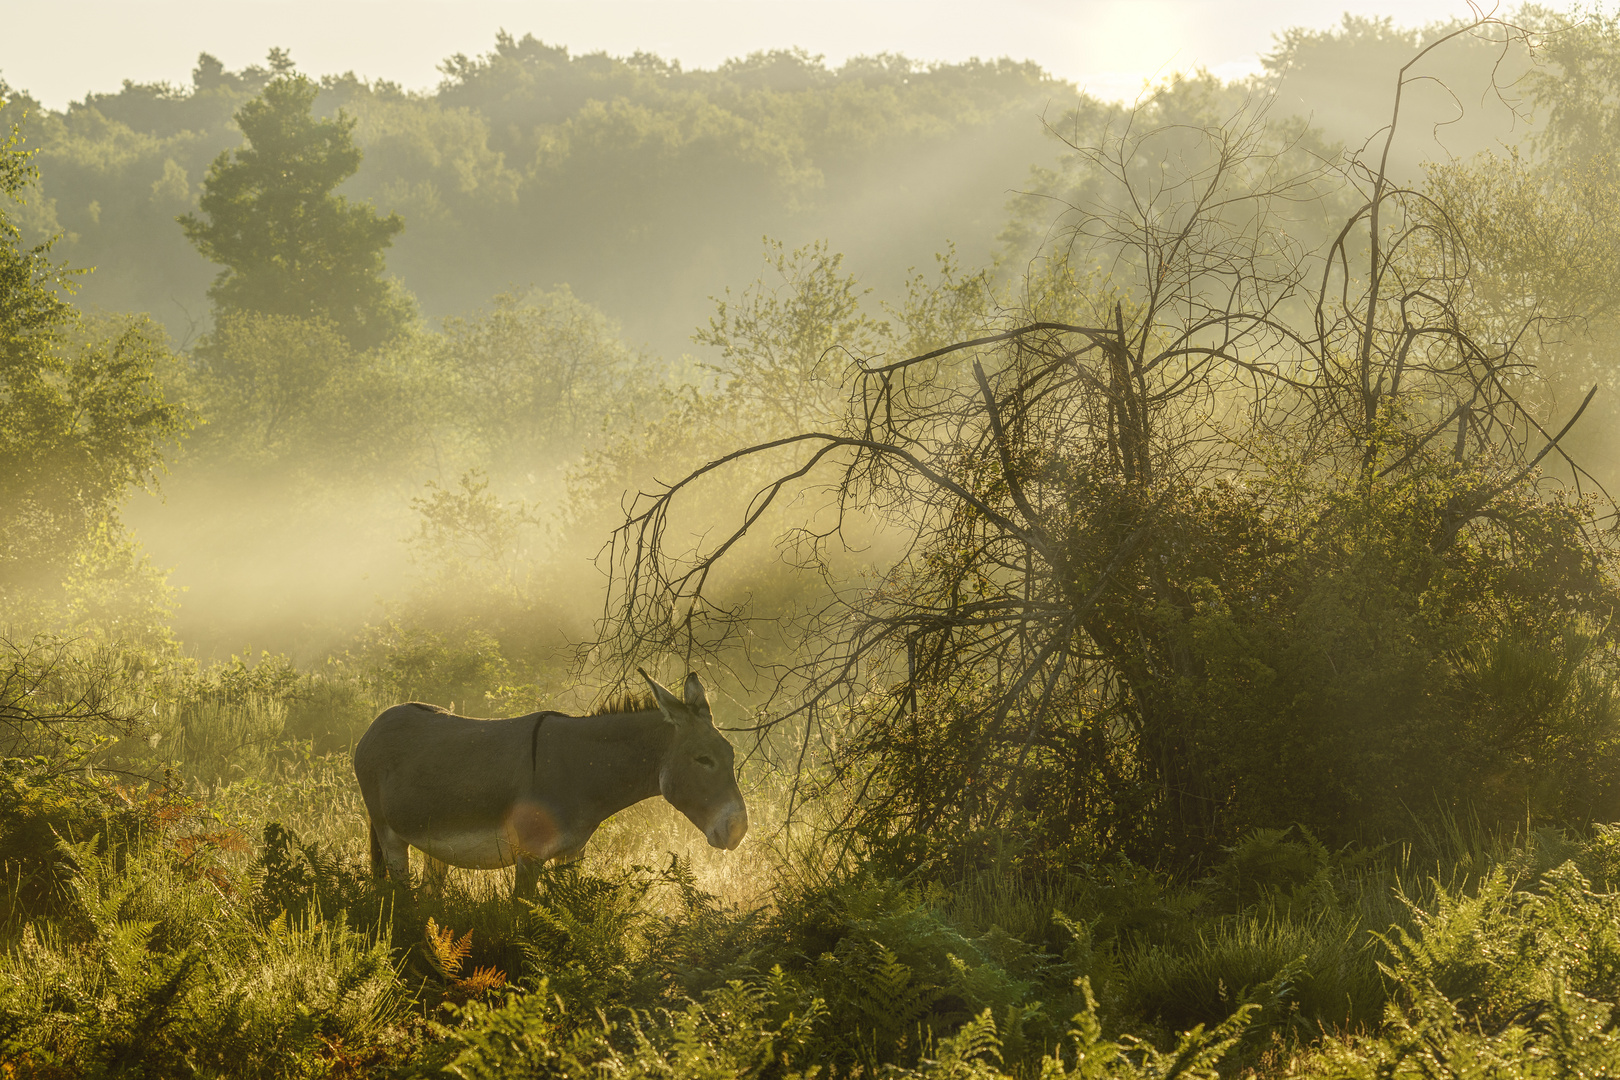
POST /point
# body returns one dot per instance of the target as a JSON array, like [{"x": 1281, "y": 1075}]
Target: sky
[{"x": 61, "y": 51}]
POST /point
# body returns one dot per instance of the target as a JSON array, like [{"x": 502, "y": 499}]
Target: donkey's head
[{"x": 697, "y": 774}]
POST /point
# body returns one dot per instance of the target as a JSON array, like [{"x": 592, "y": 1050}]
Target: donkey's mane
[{"x": 625, "y": 703}]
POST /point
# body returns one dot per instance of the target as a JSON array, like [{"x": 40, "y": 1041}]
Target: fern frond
[
  {"x": 482, "y": 981},
  {"x": 447, "y": 952}
]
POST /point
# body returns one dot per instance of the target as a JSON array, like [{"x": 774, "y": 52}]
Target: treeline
[
  {"x": 639, "y": 184},
  {"x": 528, "y": 411}
]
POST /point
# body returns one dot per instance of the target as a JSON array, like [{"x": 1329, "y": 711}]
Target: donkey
[{"x": 484, "y": 794}]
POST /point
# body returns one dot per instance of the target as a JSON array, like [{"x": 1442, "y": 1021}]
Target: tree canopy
[
  {"x": 83, "y": 418},
  {"x": 289, "y": 245}
]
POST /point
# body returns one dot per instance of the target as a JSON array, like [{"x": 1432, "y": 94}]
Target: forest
[{"x": 1154, "y": 564}]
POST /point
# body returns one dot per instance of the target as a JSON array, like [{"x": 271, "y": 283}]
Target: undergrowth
[
  {"x": 187, "y": 894},
  {"x": 148, "y": 934}
]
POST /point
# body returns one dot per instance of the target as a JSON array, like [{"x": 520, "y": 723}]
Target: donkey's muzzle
[{"x": 729, "y": 827}]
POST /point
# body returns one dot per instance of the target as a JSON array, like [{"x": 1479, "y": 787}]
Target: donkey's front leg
[{"x": 434, "y": 874}]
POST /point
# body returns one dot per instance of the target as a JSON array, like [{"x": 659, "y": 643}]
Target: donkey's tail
[{"x": 379, "y": 867}]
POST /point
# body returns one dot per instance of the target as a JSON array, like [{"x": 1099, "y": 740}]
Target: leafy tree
[
  {"x": 82, "y": 416},
  {"x": 289, "y": 245},
  {"x": 471, "y": 542},
  {"x": 1323, "y": 75},
  {"x": 1574, "y": 88},
  {"x": 263, "y": 380},
  {"x": 784, "y": 341},
  {"x": 539, "y": 374},
  {"x": 289, "y": 395},
  {"x": 1542, "y": 224}
]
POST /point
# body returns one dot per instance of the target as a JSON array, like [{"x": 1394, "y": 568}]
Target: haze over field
[
  {"x": 642, "y": 188},
  {"x": 1131, "y": 485}
]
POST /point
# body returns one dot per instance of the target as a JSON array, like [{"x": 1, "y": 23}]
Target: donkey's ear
[
  {"x": 668, "y": 703},
  {"x": 696, "y": 699}
]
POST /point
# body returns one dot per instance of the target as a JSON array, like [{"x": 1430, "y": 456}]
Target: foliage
[
  {"x": 1510, "y": 979},
  {"x": 442, "y": 667},
  {"x": 537, "y": 375},
  {"x": 44, "y": 809},
  {"x": 1573, "y": 87},
  {"x": 471, "y": 540},
  {"x": 142, "y": 940},
  {"x": 59, "y": 699},
  {"x": 83, "y": 419},
  {"x": 288, "y": 245},
  {"x": 301, "y": 879},
  {"x": 285, "y": 399},
  {"x": 1472, "y": 91},
  {"x": 266, "y": 378},
  {"x": 154, "y": 971},
  {"x": 782, "y": 343},
  {"x": 1119, "y": 611},
  {"x": 447, "y": 952},
  {"x": 638, "y": 182},
  {"x": 1540, "y": 228},
  {"x": 1182, "y": 551}
]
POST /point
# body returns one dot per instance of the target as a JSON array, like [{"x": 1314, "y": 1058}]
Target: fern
[
  {"x": 881, "y": 1003},
  {"x": 973, "y": 1052},
  {"x": 587, "y": 937},
  {"x": 445, "y": 952},
  {"x": 741, "y": 1031},
  {"x": 484, "y": 980},
  {"x": 294, "y": 875},
  {"x": 1196, "y": 1055}
]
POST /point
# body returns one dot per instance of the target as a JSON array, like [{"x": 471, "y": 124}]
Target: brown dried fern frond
[
  {"x": 445, "y": 950},
  {"x": 482, "y": 981}
]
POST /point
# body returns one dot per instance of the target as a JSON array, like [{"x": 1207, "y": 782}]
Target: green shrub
[
  {"x": 451, "y": 667},
  {"x": 1308, "y": 975},
  {"x": 299, "y": 877}
]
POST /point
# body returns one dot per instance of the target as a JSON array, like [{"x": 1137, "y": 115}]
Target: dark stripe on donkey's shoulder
[{"x": 534, "y": 739}]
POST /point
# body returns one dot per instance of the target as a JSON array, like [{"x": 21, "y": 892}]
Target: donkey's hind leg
[
  {"x": 394, "y": 853},
  {"x": 379, "y": 865}
]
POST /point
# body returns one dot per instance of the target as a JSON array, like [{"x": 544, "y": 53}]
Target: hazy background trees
[{"x": 642, "y": 186}]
